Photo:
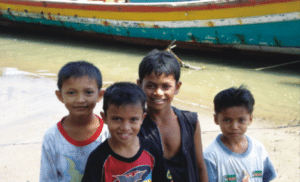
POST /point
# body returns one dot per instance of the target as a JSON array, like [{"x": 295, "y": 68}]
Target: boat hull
[{"x": 258, "y": 26}]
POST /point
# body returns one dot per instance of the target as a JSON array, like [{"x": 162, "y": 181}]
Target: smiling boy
[
  {"x": 176, "y": 132},
  {"x": 125, "y": 156},
  {"x": 233, "y": 156},
  {"x": 67, "y": 145}
]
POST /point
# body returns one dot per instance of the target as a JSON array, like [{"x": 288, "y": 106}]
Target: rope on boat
[
  {"x": 274, "y": 66},
  {"x": 185, "y": 65},
  {"x": 182, "y": 64}
]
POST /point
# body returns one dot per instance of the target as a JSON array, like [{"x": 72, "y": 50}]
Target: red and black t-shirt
[{"x": 106, "y": 166}]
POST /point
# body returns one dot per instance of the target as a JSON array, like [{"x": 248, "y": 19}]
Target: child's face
[
  {"x": 79, "y": 95},
  {"x": 233, "y": 122},
  {"x": 124, "y": 122},
  {"x": 160, "y": 90}
]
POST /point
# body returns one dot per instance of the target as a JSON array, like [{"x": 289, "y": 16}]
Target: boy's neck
[
  {"x": 163, "y": 115},
  {"x": 82, "y": 121},
  {"x": 236, "y": 146},
  {"x": 81, "y": 128},
  {"x": 127, "y": 150}
]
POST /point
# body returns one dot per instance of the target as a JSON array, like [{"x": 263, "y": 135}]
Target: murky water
[{"x": 276, "y": 90}]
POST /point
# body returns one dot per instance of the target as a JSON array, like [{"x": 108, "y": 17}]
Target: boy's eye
[
  {"x": 89, "y": 92},
  {"x": 70, "y": 92},
  {"x": 116, "y": 119},
  {"x": 166, "y": 86},
  {"x": 134, "y": 119},
  {"x": 226, "y": 120},
  {"x": 149, "y": 86},
  {"x": 242, "y": 120}
]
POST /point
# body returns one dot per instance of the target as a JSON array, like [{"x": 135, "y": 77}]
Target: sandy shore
[{"x": 29, "y": 107}]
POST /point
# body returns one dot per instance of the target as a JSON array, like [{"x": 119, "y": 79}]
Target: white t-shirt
[
  {"x": 64, "y": 159},
  {"x": 223, "y": 165}
]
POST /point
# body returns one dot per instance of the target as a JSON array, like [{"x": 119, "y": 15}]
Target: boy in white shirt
[
  {"x": 233, "y": 156},
  {"x": 67, "y": 145}
]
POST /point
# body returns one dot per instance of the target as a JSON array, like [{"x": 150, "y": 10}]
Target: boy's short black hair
[
  {"x": 159, "y": 62},
  {"x": 234, "y": 97},
  {"x": 79, "y": 69},
  {"x": 124, "y": 93}
]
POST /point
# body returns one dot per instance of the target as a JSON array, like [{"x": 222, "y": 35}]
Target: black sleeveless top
[{"x": 183, "y": 165}]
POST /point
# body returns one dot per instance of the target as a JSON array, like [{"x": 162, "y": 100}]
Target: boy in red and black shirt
[{"x": 125, "y": 156}]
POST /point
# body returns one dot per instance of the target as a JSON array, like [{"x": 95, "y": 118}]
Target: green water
[{"x": 276, "y": 90}]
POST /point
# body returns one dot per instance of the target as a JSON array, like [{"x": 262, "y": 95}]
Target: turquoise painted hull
[
  {"x": 283, "y": 34},
  {"x": 277, "y": 36}
]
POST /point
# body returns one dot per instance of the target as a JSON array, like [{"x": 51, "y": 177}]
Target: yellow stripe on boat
[{"x": 222, "y": 13}]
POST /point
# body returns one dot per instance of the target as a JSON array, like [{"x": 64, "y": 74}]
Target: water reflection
[{"x": 276, "y": 90}]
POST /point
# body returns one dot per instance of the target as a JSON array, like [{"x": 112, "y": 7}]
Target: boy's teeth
[
  {"x": 156, "y": 100},
  {"x": 124, "y": 135}
]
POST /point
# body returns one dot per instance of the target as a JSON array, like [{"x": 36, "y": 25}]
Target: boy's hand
[{"x": 246, "y": 177}]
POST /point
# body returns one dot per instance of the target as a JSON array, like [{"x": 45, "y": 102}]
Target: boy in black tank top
[{"x": 176, "y": 132}]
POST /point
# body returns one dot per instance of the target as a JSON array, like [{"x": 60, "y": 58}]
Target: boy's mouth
[
  {"x": 158, "y": 101},
  {"x": 124, "y": 136},
  {"x": 234, "y": 134},
  {"x": 80, "y": 107}
]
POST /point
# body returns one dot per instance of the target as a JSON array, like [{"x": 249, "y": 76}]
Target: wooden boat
[{"x": 256, "y": 25}]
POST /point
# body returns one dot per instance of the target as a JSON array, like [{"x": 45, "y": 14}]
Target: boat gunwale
[{"x": 159, "y": 7}]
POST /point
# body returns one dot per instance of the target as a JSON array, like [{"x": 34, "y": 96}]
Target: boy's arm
[
  {"x": 202, "y": 171},
  {"x": 48, "y": 170}
]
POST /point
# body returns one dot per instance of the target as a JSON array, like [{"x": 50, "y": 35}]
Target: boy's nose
[
  {"x": 125, "y": 126},
  {"x": 234, "y": 125},
  {"x": 80, "y": 98},
  {"x": 158, "y": 91}
]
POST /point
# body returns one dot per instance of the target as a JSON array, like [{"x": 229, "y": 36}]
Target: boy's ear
[
  {"x": 178, "y": 85},
  {"x": 103, "y": 116},
  {"x": 250, "y": 120},
  {"x": 144, "y": 115},
  {"x": 139, "y": 82},
  {"x": 59, "y": 96},
  {"x": 100, "y": 95},
  {"x": 216, "y": 119}
]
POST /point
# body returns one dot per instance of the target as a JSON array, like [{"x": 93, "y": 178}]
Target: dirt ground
[{"x": 29, "y": 107}]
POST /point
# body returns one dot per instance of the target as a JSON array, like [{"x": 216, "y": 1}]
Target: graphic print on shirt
[
  {"x": 137, "y": 174},
  {"x": 257, "y": 174},
  {"x": 138, "y": 170},
  {"x": 76, "y": 176},
  {"x": 230, "y": 178}
]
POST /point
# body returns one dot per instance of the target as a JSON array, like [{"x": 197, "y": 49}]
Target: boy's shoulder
[
  {"x": 148, "y": 145},
  {"x": 183, "y": 111},
  {"x": 51, "y": 132},
  {"x": 57, "y": 132},
  {"x": 187, "y": 117},
  {"x": 216, "y": 147},
  {"x": 255, "y": 141},
  {"x": 52, "y": 138},
  {"x": 258, "y": 146},
  {"x": 101, "y": 151}
]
